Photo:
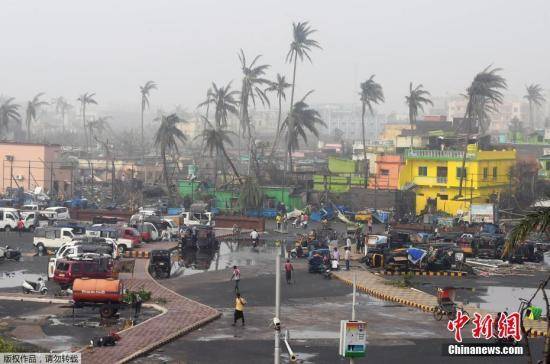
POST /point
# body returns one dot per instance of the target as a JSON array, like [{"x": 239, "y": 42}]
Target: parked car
[
  {"x": 62, "y": 212},
  {"x": 105, "y": 231},
  {"x": 34, "y": 219},
  {"x": 51, "y": 238},
  {"x": 30, "y": 208},
  {"x": 196, "y": 218},
  {"x": 66, "y": 271},
  {"x": 130, "y": 233},
  {"x": 8, "y": 218}
]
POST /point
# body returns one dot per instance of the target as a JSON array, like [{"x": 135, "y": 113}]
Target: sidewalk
[{"x": 376, "y": 286}]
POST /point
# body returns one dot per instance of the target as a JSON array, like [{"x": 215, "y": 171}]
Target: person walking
[
  {"x": 240, "y": 302},
  {"x": 335, "y": 258},
  {"x": 278, "y": 220},
  {"x": 369, "y": 225},
  {"x": 348, "y": 242},
  {"x": 347, "y": 256},
  {"x": 236, "y": 277},
  {"x": 20, "y": 226},
  {"x": 305, "y": 220},
  {"x": 288, "y": 271}
]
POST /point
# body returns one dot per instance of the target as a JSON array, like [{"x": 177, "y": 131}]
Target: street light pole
[
  {"x": 351, "y": 361},
  {"x": 277, "y": 349}
]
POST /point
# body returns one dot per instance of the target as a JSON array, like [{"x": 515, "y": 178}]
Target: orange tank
[{"x": 97, "y": 290}]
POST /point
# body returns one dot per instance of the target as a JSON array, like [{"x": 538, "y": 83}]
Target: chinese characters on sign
[
  {"x": 40, "y": 358},
  {"x": 504, "y": 326}
]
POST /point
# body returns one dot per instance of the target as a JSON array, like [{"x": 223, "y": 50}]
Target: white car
[
  {"x": 196, "y": 218},
  {"x": 62, "y": 213},
  {"x": 51, "y": 238},
  {"x": 26, "y": 208},
  {"x": 8, "y": 219}
]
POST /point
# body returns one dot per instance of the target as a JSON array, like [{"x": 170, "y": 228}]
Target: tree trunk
[
  {"x": 467, "y": 115},
  {"x": 531, "y": 119},
  {"x": 165, "y": 170},
  {"x": 84, "y": 126},
  {"x": 291, "y": 122},
  {"x": 28, "y": 122},
  {"x": 142, "y": 137},
  {"x": 546, "y": 352},
  {"x": 278, "y": 130},
  {"x": 411, "y": 121},
  {"x": 231, "y": 164},
  {"x": 364, "y": 145}
]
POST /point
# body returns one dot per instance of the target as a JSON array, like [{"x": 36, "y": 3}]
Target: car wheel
[
  {"x": 106, "y": 311},
  {"x": 438, "y": 314},
  {"x": 7, "y": 228}
]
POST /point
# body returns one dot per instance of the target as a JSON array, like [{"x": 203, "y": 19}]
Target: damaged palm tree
[
  {"x": 251, "y": 196},
  {"x": 167, "y": 137},
  {"x": 32, "y": 109}
]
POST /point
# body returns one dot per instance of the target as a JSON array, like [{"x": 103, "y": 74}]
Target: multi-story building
[{"x": 435, "y": 176}]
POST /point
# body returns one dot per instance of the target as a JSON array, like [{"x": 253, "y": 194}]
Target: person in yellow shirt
[
  {"x": 278, "y": 220},
  {"x": 240, "y": 302}
]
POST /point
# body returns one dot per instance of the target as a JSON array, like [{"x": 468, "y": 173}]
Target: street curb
[
  {"x": 34, "y": 299},
  {"x": 426, "y": 274}
]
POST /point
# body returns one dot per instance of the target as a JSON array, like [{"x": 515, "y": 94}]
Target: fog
[{"x": 68, "y": 47}]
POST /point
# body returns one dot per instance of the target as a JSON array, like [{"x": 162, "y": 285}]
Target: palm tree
[
  {"x": 32, "y": 108},
  {"x": 167, "y": 137},
  {"x": 516, "y": 127},
  {"x": 536, "y": 221},
  {"x": 250, "y": 90},
  {"x": 535, "y": 97},
  {"x": 8, "y": 113},
  {"x": 250, "y": 196},
  {"x": 100, "y": 125},
  {"x": 279, "y": 87},
  {"x": 371, "y": 94},
  {"x": 85, "y": 99},
  {"x": 214, "y": 139},
  {"x": 484, "y": 95},
  {"x": 223, "y": 99},
  {"x": 144, "y": 91},
  {"x": 61, "y": 108},
  {"x": 300, "y": 47},
  {"x": 299, "y": 122},
  {"x": 416, "y": 100}
]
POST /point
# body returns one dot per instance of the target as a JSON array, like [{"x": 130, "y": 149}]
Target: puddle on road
[
  {"x": 229, "y": 254},
  {"x": 15, "y": 278},
  {"x": 506, "y": 298}
]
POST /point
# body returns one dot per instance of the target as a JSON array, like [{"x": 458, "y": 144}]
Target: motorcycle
[
  {"x": 7, "y": 253},
  {"x": 34, "y": 287}
]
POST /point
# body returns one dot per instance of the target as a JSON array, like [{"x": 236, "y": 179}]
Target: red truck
[{"x": 108, "y": 294}]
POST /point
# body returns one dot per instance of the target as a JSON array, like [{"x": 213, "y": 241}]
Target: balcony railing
[
  {"x": 441, "y": 179},
  {"x": 437, "y": 154},
  {"x": 429, "y": 181}
]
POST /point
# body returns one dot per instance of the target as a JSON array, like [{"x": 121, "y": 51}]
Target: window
[
  {"x": 441, "y": 174},
  {"x": 1, "y": 215},
  {"x": 485, "y": 172},
  {"x": 495, "y": 172},
  {"x": 50, "y": 234},
  {"x": 547, "y": 165},
  {"x": 444, "y": 197},
  {"x": 67, "y": 233},
  {"x": 384, "y": 172},
  {"x": 459, "y": 171},
  {"x": 76, "y": 268},
  {"x": 10, "y": 216},
  {"x": 423, "y": 171}
]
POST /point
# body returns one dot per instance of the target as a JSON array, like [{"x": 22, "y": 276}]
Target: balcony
[
  {"x": 441, "y": 179},
  {"x": 445, "y": 155},
  {"x": 430, "y": 181}
]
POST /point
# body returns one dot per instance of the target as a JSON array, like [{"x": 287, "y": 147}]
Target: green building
[{"x": 342, "y": 175}]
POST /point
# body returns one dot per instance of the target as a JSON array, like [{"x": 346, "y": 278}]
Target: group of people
[{"x": 300, "y": 221}]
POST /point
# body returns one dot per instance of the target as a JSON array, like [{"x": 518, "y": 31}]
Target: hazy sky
[{"x": 66, "y": 47}]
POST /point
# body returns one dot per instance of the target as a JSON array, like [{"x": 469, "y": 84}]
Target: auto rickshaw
[
  {"x": 160, "y": 263},
  {"x": 446, "y": 305}
]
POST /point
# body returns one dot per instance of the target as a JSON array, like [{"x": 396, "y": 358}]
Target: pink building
[
  {"x": 31, "y": 165},
  {"x": 388, "y": 167}
]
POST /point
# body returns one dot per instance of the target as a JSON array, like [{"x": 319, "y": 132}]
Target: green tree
[
  {"x": 301, "y": 121},
  {"x": 250, "y": 196},
  {"x": 535, "y": 97},
  {"x": 32, "y": 108},
  {"x": 8, "y": 114},
  {"x": 61, "y": 108},
  {"x": 223, "y": 99},
  {"x": 279, "y": 86},
  {"x": 145, "y": 90},
  {"x": 371, "y": 94},
  {"x": 300, "y": 47},
  {"x": 86, "y": 99},
  {"x": 484, "y": 95},
  {"x": 215, "y": 138},
  {"x": 166, "y": 139},
  {"x": 416, "y": 99}
]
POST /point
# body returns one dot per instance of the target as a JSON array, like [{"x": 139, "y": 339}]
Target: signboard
[
  {"x": 353, "y": 338},
  {"x": 482, "y": 213}
]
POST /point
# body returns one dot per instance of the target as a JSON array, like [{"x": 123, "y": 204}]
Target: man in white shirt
[{"x": 254, "y": 235}]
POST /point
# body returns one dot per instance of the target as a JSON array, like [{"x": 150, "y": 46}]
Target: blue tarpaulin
[{"x": 416, "y": 255}]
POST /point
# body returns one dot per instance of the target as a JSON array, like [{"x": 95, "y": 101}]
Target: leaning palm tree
[
  {"x": 32, "y": 107},
  {"x": 61, "y": 108},
  {"x": 8, "y": 114},
  {"x": 167, "y": 137},
  {"x": 371, "y": 94},
  {"x": 144, "y": 91},
  {"x": 85, "y": 99},
  {"x": 537, "y": 221},
  {"x": 417, "y": 98},
  {"x": 299, "y": 122},
  {"x": 279, "y": 86},
  {"x": 223, "y": 99},
  {"x": 484, "y": 95},
  {"x": 535, "y": 97},
  {"x": 250, "y": 91},
  {"x": 250, "y": 195},
  {"x": 300, "y": 47},
  {"x": 215, "y": 138}
]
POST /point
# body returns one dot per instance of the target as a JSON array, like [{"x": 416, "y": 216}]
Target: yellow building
[{"x": 435, "y": 177}]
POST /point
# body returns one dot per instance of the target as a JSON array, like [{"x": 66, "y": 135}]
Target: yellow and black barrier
[
  {"x": 427, "y": 274},
  {"x": 140, "y": 254}
]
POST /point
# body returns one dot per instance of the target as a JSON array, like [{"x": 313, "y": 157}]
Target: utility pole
[
  {"x": 471, "y": 196},
  {"x": 351, "y": 361},
  {"x": 276, "y": 321},
  {"x": 29, "y": 179}
]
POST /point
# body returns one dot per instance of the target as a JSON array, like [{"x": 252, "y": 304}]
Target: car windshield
[{"x": 62, "y": 267}]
